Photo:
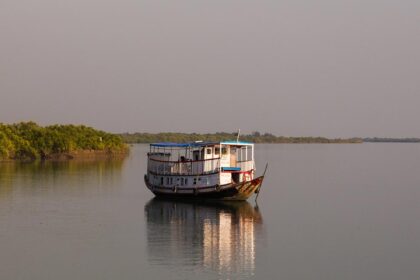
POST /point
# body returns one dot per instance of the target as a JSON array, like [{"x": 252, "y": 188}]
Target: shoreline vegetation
[
  {"x": 255, "y": 137},
  {"x": 27, "y": 141}
]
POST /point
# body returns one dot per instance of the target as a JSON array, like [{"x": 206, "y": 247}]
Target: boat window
[
  {"x": 161, "y": 181},
  {"x": 208, "y": 151},
  {"x": 224, "y": 151},
  {"x": 217, "y": 151},
  {"x": 182, "y": 181},
  {"x": 242, "y": 154},
  {"x": 249, "y": 153},
  {"x": 195, "y": 181},
  {"x": 186, "y": 181}
]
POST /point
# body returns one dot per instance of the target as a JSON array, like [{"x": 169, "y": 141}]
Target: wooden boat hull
[{"x": 239, "y": 191}]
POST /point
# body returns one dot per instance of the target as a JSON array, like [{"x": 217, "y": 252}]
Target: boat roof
[
  {"x": 197, "y": 144},
  {"x": 236, "y": 143},
  {"x": 183, "y": 145}
]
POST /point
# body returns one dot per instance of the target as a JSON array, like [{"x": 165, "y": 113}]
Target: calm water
[{"x": 324, "y": 212}]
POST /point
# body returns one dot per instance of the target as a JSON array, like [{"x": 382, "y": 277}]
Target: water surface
[{"x": 324, "y": 212}]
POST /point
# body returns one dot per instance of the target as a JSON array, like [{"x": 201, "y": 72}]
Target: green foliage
[
  {"x": 255, "y": 137},
  {"x": 29, "y": 141}
]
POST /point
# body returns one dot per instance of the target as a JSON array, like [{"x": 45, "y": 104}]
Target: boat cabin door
[
  {"x": 233, "y": 157},
  {"x": 197, "y": 163},
  {"x": 224, "y": 153},
  {"x": 196, "y": 155},
  {"x": 224, "y": 156},
  {"x": 209, "y": 164}
]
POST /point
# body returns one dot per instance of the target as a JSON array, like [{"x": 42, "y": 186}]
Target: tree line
[
  {"x": 392, "y": 140},
  {"x": 255, "y": 137},
  {"x": 29, "y": 141}
]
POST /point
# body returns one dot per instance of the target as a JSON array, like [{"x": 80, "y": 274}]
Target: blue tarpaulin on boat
[{"x": 231, "y": 169}]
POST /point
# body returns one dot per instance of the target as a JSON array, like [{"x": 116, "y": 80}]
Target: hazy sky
[{"x": 295, "y": 67}]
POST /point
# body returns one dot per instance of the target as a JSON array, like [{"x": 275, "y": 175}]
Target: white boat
[{"x": 202, "y": 170}]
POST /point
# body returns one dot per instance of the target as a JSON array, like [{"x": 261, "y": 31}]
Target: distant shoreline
[
  {"x": 266, "y": 138},
  {"x": 256, "y": 137},
  {"x": 27, "y": 141},
  {"x": 391, "y": 140}
]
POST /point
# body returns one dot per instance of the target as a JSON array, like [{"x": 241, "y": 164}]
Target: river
[{"x": 325, "y": 211}]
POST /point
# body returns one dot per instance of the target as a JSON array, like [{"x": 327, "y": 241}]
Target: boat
[{"x": 202, "y": 170}]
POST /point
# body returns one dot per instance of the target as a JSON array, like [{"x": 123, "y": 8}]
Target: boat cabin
[{"x": 200, "y": 164}]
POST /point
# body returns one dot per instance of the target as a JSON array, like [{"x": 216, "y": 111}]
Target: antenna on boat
[{"x": 237, "y": 137}]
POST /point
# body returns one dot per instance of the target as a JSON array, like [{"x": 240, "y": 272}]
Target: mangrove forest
[{"x": 30, "y": 141}]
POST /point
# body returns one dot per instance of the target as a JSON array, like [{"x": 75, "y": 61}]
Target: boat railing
[
  {"x": 245, "y": 165},
  {"x": 185, "y": 167}
]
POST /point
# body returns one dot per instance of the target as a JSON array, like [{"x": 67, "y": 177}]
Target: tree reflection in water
[
  {"x": 58, "y": 175},
  {"x": 219, "y": 236}
]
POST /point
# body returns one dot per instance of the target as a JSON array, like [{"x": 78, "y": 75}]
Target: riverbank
[{"x": 27, "y": 141}]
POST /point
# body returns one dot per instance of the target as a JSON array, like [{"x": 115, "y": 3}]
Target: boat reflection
[{"x": 221, "y": 236}]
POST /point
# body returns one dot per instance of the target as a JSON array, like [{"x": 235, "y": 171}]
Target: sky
[{"x": 294, "y": 67}]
